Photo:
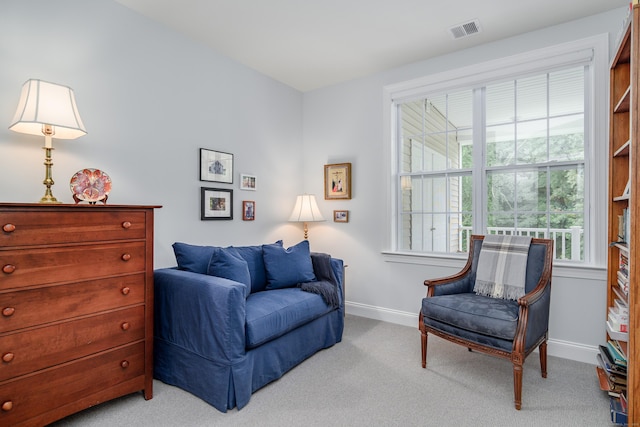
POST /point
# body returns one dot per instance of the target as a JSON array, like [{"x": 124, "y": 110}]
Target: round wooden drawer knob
[
  {"x": 8, "y": 228},
  {"x": 126, "y": 257},
  {"x": 8, "y": 269},
  {"x": 125, "y": 326},
  {"x": 125, "y": 290},
  {"x": 7, "y": 406},
  {"x": 126, "y": 225},
  {"x": 124, "y": 364},
  {"x": 7, "y": 357},
  {"x": 8, "y": 311}
]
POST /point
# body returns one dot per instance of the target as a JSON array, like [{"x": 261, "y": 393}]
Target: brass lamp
[
  {"x": 306, "y": 210},
  {"x": 47, "y": 109}
]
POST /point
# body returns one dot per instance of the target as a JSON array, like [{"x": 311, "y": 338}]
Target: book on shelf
[
  {"x": 624, "y": 229},
  {"x": 621, "y": 228},
  {"x": 621, "y": 295},
  {"x": 618, "y": 414},
  {"x": 622, "y": 276},
  {"x": 627, "y": 225},
  {"x": 616, "y": 354},
  {"x": 623, "y": 284},
  {"x": 622, "y": 345},
  {"x": 623, "y": 264},
  {"x": 621, "y": 305},
  {"x": 620, "y": 309},
  {"x": 602, "y": 378},
  {"x": 612, "y": 389},
  {"x": 610, "y": 380},
  {"x": 618, "y": 322},
  {"x": 615, "y": 332},
  {"x": 607, "y": 362}
]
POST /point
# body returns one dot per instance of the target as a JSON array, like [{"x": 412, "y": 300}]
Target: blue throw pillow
[
  {"x": 192, "y": 258},
  {"x": 228, "y": 264},
  {"x": 287, "y": 267},
  {"x": 255, "y": 261}
]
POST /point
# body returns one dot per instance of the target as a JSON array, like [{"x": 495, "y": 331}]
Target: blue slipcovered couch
[{"x": 230, "y": 320}]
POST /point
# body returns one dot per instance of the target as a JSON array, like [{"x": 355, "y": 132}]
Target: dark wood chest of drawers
[{"x": 76, "y": 308}]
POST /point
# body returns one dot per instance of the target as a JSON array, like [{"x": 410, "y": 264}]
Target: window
[{"x": 506, "y": 153}]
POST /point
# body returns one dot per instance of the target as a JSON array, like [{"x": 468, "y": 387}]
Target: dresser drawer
[
  {"x": 38, "y": 348},
  {"x": 35, "y": 227},
  {"x": 32, "y": 307},
  {"x": 44, "y": 395},
  {"x": 37, "y": 266}
]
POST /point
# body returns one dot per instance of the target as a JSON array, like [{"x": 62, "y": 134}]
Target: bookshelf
[{"x": 620, "y": 376}]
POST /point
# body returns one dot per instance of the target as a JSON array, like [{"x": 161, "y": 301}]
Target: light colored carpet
[{"x": 374, "y": 377}]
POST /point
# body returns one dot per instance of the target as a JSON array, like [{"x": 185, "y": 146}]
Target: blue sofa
[{"x": 230, "y": 320}]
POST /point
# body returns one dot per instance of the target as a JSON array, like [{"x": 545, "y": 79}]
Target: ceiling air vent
[{"x": 466, "y": 29}]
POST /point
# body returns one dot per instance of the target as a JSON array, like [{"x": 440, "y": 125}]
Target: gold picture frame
[
  {"x": 337, "y": 181},
  {"x": 340, "y": 216}
]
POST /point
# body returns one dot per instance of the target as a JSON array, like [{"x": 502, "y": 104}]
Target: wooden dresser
[{"x": 76, "y": 308}]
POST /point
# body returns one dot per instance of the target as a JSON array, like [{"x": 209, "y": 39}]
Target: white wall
[
  {"x": 149, "y": 98},
  {"x": 344, "y": 123}
]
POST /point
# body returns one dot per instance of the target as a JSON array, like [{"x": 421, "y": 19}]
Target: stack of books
[
  {"x": 624, "y": 226},
  {"x": 618, "y": 317},
  {"x": 612, "y": 373}
]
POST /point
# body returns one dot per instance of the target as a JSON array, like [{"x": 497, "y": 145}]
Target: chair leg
[
  {"x": 424, "y": 348},
  {"x": 543, "y": 359},
  {"x": 517, "y": 384}
]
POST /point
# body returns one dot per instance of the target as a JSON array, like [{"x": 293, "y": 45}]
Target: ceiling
[{"x": 309, "y": 44}]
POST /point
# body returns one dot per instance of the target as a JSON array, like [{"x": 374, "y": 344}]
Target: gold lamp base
[
  {"x": 49, "y": 198},
  {"x": 48, "y": 180}
]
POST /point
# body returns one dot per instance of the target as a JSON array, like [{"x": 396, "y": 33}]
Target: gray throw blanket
[
  {"x": 326, "y": 284},
  {"x": 502, "y": 266}
]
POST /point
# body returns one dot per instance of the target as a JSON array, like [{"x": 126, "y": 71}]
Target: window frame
[{"x": 516, "y": 66}]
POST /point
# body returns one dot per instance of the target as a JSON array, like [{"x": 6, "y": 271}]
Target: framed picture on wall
[
  {"x": 248, "y": 182},
  {"x": 216, "y": 203},
  {"x": 337, "y": 181},
  {"x": 248, "y": 210},
  {"x": 216, "y": 166},
  {"x": 340, "y": 216}
]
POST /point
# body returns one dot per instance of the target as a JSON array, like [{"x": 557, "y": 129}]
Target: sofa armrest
[
  {"x": 322, "y": 262},
  {"x": 201, "y": 313},
  {"x": 337, "y": 265}
]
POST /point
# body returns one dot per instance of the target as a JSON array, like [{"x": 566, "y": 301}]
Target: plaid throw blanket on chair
[{"x": 502, "y": 266}]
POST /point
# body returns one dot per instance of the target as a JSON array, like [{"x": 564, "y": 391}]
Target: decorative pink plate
[{"x": 90, "y": 185}]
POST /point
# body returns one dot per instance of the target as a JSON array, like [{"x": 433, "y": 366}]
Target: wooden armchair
[{"x": 499, "y": 327}]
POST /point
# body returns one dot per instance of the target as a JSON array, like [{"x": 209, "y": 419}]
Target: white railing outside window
[{"x": 568, "y": 242}]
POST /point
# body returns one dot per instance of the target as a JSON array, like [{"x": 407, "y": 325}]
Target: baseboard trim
[{"x": 559, "y": 348}]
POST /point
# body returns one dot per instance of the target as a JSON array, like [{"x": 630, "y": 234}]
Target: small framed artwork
[
  {"x": 216, "y": 166},
  {"x": 248, "y": 210},
  {"x": 248, "y": 182},
  {"x": 337, "y": 181},
  {"x": 340, "y": 216},
  {"x": 216, "y": 203}
]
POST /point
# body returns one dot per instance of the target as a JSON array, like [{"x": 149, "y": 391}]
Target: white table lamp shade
[
  {"x": 306, "y": 209},
  {"x": 43, "y": 103}
]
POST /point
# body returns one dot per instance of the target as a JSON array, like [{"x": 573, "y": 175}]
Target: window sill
[{"x": 560, "y": 269}]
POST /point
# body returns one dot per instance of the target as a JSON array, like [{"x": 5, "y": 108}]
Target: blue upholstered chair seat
[
  {"x": 493, "y": 317},
  {"x": 485, "y": 340},
  {"x": 273, "y": 313}
]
